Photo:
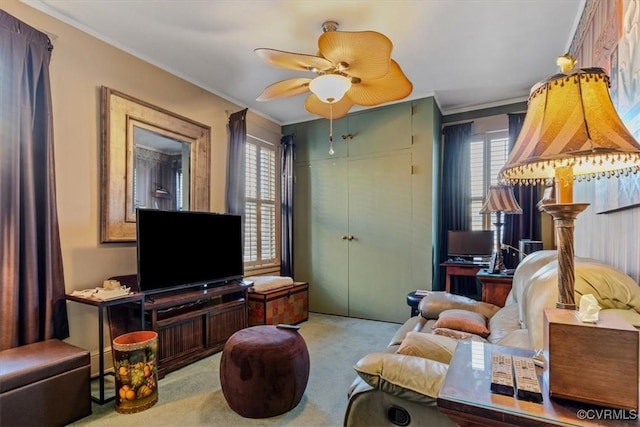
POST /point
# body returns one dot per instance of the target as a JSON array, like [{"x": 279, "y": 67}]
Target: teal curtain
[
  {"x": 286, "y": 208},
  {"x": 528, "y": 224},
  {"x": 455, "y": 194},
  {"x": 237, "y": 163},
  {"x": 32, "y": 288}
]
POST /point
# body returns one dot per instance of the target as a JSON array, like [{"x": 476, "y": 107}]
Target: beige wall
[{"x": 80, "y": 65}]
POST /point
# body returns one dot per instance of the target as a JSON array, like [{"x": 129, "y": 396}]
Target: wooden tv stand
[{"x": 194, "y": 323}]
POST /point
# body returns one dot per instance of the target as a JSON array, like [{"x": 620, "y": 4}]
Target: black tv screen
[
  {"x": 468, "y": 244},
  {"x": 178, "y": 249}
]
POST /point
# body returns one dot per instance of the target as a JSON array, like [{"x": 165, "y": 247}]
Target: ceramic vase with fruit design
[{"x": 136, "y": 371}]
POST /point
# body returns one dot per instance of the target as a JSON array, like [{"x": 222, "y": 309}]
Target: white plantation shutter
[
  {"x": 489, "y": 152},
  {"x": 261, "y": 216}
]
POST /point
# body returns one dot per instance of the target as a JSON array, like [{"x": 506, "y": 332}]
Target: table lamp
[
  {"x": 500, "y": 199},
  {"x": 571, "y": 131}
]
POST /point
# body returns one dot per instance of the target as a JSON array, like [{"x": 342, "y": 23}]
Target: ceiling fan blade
[
  {"x": 391, "y": 87},
  {"x": 293, "y": 61},
  {"x": 367, "y": 53},
  {"x": 340, "y": 108},
  {"x": 285, "y": 88}
]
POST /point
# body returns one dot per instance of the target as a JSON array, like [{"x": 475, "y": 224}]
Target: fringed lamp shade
[
  {"x": 500, "y": 199},
  {"x": 571, "y": 121},
  {"x": 571, "y": 130}
]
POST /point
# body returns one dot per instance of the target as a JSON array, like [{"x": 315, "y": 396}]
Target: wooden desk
[
  {"x": 466, "y": 398},
  {"x": 468, "y": 269},
  {"x": 495, "y": 286}
]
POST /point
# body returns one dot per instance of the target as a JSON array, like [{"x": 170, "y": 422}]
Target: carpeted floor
[{"x": 192, "y": 396}]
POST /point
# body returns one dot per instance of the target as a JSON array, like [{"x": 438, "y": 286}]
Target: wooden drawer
[{"x": 289, "y": 306}]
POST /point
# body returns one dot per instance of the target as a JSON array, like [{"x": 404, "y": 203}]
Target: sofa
[{"x": 399, "y": 385}]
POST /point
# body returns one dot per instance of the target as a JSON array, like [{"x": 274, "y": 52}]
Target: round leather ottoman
[{"x": 264, "y": 371}]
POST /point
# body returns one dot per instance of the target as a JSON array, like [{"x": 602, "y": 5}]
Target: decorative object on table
[
  {"x": 104, "y": 294},
  {"x": 589, "y": 310},
  {"x": 136, "y": 370},
  {"x": 111, "y": 284},
  {"x": 351, "y": 67},
  {"x": 500, "y": 199},
  {"x": 571, "y": 130}
]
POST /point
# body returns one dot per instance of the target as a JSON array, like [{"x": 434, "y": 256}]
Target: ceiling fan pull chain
[{"x": 331, "y": 152}]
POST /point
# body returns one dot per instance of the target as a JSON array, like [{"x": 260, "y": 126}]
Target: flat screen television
[
  {"x": 470, "y": 244},
  {"x": 181, "y": 249}
]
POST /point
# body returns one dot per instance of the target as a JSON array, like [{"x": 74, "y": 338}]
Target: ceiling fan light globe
[{"x": 330, "y": 88}]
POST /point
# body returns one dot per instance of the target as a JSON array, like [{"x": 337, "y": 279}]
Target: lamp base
[
  {"x": 564, "y": 214},
  {"x": 566, "y": 306}
]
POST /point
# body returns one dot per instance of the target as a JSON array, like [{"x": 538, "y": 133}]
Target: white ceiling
[{"x": 467, "y": 53}]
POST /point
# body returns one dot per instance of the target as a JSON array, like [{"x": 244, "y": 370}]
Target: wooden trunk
[
  {"x": 592, "y": 363},
  {"x": 289, "y": 305}
]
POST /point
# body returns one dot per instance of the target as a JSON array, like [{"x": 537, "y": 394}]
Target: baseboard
[{"x": 95, "y": 362}]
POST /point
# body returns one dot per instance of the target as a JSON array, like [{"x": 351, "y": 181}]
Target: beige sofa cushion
[
  {"x": 504, "y": 322},
  {"x": 518, "y": 338},
  {"x": 408, "y": 377},
  {"x": 526, "y": 273},
  {"x": 428, "y": 346},
  {"x": 611, "y": 287}
]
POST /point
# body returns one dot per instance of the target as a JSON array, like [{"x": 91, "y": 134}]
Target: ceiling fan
[{"x": 351, "y": 68}]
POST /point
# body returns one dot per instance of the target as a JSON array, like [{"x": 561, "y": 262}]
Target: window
[
  {"x": 489, "y": 152},
  {"x": 261, "y": 230}
]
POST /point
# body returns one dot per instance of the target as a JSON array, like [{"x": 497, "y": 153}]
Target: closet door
[
  {"x": 321, "y": 245},
  {"x": 380, "y": 221}
]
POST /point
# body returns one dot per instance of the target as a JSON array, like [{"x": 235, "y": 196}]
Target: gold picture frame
[{"x": 121, "y": 114}]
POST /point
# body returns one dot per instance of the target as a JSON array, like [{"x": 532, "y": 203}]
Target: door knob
[
  {"x": 350, "y": 237},
  {"x": 344, "y": 237}
]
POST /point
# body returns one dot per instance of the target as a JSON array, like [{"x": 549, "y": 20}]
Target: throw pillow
[
  {"x": 463, "y": 320},
  {"x": 436, "y": 302},
  {"x": 457, "y": 335},
  {"x": 408, "y": 377},
  {"x": 428, "y": 346}
]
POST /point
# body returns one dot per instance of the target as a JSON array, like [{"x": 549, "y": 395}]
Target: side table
[
  {"x": 495, "y": 286},
  {"x": 465, "y": 269},
  {"x": 471, "y": 403},
  {"x": 101, "y": 305}
]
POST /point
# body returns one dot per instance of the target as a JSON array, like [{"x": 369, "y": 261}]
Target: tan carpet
[{"x": 192, "y": 396}]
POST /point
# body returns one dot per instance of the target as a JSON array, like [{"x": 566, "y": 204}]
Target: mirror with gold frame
[{"x": 151, "y": 158}]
